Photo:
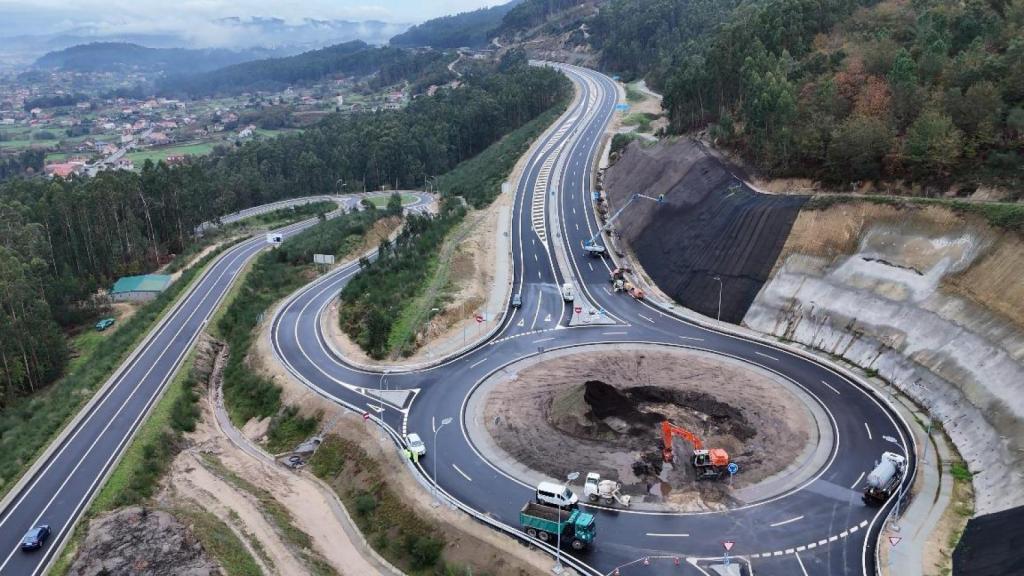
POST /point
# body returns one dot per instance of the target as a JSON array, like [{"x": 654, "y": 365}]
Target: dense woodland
[
  {"x": 929, "y": 91},
  {"x": 60, "y": 241},
  {"x": 355, "y": 58},
  {"x": 532, "y": 13},
  {"x": 472, "y": 29}
]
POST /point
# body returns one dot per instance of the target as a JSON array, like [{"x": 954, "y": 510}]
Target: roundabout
[{"x": 542, "y": 397}]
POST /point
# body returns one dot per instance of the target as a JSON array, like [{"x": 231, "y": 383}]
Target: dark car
[
  {"x": 34, "y": 538},
  {"x": 104, "y": 324},
  {"x": 517, "y": 300}
]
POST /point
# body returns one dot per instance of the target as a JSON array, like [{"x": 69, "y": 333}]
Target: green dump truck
[{"x": 545, "y": 523}]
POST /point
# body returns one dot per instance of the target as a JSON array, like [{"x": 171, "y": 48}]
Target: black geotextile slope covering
[
  {"x": 992, "y": 545},
  {"x": 711, "y": 224}
]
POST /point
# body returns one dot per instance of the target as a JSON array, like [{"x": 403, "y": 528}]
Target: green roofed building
[{"x": 136, "y": 288}]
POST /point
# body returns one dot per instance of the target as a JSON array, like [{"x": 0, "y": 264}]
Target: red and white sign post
[{"x": 727, "y": 544}]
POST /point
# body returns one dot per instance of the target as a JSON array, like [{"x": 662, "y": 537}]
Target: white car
[
  {"x": 567, "y": 292},
  {"x": 416, "y": 445},
  {"x": 553, "y": 494}
]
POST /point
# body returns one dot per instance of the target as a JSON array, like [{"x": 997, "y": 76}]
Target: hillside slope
[
  {"x": 471, "y": 29},
  {"x": 122, "y": 56}
]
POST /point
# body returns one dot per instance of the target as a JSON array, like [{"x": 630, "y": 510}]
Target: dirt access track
[{"x": 599, "y": 409}]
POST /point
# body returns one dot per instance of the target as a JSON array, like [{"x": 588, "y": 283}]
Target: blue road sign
[{"x": 733, "y": 468}]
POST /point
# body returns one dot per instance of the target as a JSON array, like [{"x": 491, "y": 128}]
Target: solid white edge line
[{"x": 459, "y": 470}]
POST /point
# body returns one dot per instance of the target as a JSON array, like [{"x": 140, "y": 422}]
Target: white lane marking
[
  {"x": 766, "y": 356},
  {"x": 433, "y": 427},
  {"x": 661, "y": 535},
  {"x": 831, "y": 387},
  {"x": 692, "y": 338},
  {"x": 612, "y": 333},
  {"x": 857, "y": 481},
  {"x": 801, "y": 563},
  {"x": 540, "y": 298},
  {"x": 542, "y": 340},
  {"x": 607, "y": 290},
  {"x": 784, "y": 522},
  {"x": 591, "y": 266},
  {"x": 374, "y": 407},
  {"x": 535, "y": 258},
  {"x": 477, "y": 363},
  {"x": 464, "y": 475},
  {"x": 577, "y": 226},
  {"x": 651, "y": 320},
  {"x": 869, "y": 431}
]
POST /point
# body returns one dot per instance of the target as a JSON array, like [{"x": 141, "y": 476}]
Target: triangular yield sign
[
  {"x": 894, "y": 540},
  {"x": 728, "y": 545}
]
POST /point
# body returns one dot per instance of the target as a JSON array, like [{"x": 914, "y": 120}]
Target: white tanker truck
[{"x": 885, "y": 479}]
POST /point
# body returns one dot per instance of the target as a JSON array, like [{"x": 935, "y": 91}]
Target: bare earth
[{"x": 538, "y": 418}]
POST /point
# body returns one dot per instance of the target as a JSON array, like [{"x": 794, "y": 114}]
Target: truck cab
[{"x": 549, "y": 525}]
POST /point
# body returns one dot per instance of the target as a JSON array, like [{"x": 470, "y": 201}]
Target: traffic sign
[
  {"x": 366, "y": 416},
  {"x": 578, "y": 309},
  {"x": 894, "y": 540},
  {"x": 479, "y": 318},
  {"x": 733, "y": 468},
  {"x": 728, "y": 544}
]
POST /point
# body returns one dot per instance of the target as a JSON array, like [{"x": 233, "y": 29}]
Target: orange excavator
[{"x": 710, "y": 464}]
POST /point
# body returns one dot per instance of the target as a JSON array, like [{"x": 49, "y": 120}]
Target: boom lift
[{"x": 709, "y": 464}]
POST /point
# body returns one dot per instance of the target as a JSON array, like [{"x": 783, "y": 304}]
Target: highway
[
  {"x": 60, "y": 487},
  {"x": 819, "y": 527}
]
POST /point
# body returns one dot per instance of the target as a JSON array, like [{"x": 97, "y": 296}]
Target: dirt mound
[
  {"x": 710, "y": 224},
  {"x": 601, "y": 412},
  {"x": 137, "y": 540}
]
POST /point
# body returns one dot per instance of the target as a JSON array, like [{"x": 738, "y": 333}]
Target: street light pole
[
  {"x": 558, "y": 569},
  {"x": 444, "y": 422},
  {"x": 380, "y": 398},
  {"x": 719, "y": 278}
]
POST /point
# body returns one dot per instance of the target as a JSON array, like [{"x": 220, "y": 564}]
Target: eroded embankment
[
  {"x": 929, "y": 299},
  {"x": 709, "y": 224}
]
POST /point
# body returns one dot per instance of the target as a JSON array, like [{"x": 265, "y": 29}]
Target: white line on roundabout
[{"x": 784, "y": 522}]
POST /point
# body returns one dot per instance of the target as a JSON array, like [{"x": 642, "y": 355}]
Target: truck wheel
[
  {"x": 593, "y": 497},
  {"x": 578, "y": 544},
  {"x": 531, "y": 532},
  {"x": 544, "y": 536}
]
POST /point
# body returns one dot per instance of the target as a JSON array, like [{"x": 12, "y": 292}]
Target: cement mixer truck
[{"x": 885, "y": 479}]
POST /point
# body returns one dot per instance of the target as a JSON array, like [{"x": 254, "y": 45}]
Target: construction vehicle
[
  {"x": 709, "y": 464},
  {"x": 594, "y": 249},
  {"x": 605, "y": 491},
  {"x": 546, "y": 523},
  {"x": 885, "y": 479},
  {"x": 633, "y": 290}
]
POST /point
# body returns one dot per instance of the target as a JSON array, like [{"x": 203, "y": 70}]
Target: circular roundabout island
[{"x": 600, "y": 408}]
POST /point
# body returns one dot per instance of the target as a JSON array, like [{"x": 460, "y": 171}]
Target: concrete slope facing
[
  {"x": 710, "y": 225},
  {"x": 930, "y": 300}
]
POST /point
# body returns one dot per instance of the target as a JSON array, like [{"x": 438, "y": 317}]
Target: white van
[
  {"x": 567, "y": 293},
  {"x": 554, "y": 494}
]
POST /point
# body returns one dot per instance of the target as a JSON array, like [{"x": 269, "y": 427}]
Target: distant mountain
[
  {"x": 354, "y": 58},
  {"x": 464, "y": 29},
  {"x": 122, "y": 56}
]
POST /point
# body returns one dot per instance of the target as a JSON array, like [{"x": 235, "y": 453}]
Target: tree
[
  {"x": 933, "y": 143},
  {"x": 858, "y": 147}
]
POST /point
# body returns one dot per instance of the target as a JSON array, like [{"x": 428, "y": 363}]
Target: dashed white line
[
  {"x": 651, "y": 320},
  {"x": 477, "y": 363},
  {"x": 464, "y": 475},
  {"x": 857, "y": 481},
  {"x": 662, "y": 535},
  {"x": 767, "y": 356},
  {"x": 801, "y": 563},
  {"x": 542, "y": 340},
  {"x": 784, "y": 522},
  {"x": 591, "y": 266},
  {"x": 692, "y": 338},
  {"x": 612, "y": 333},
  {"x": 869, "y": 431},
  {"x": 831, "y": 387}
]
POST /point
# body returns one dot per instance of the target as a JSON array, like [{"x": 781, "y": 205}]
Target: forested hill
[
  {"x": 62, "y": 240},
  {"x": 120, "y": 56},
  {"x": 930, "y": 91},
  {"x": 349, "y": 58},
  {"x": 532, "y": 13},
  {"x": 471, "y": 29}
]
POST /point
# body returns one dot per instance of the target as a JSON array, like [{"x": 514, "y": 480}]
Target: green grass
[
  {"x": 633, "y": 94},
  {"x": 157, "y": 154},
  {"x": 960, "y": 472},
  {"x": 1002, "y": 215},
  {"x": 382, "y": 201},
  {"x": 220, "y": 542},
  {"x": 29, "y": 425},
  {"x": 288, "y": 429}
]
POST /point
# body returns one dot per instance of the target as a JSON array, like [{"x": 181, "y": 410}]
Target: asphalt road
[
  {"x": 59, "y": 490},
  {"x": 820, "y": 527}
]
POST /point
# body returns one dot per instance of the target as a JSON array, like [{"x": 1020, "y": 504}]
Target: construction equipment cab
[
  {"x": 709, "y": 464},
  {"x": 553, "y": 494}
]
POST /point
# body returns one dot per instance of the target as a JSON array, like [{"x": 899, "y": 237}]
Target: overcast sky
[{"x": 176, "y": 16}]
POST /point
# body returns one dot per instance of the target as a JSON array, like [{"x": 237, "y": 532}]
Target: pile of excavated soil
[{"x": 602, "y": 412}]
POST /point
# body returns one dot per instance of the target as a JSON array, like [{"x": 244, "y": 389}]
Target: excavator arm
[{"x": 668, "y": 430}]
